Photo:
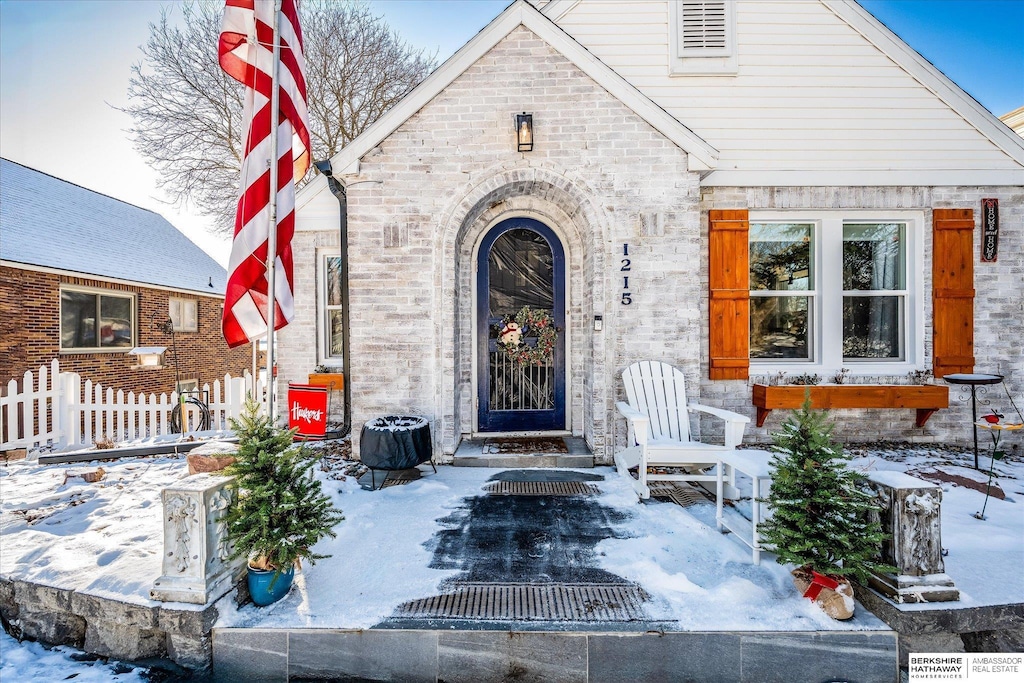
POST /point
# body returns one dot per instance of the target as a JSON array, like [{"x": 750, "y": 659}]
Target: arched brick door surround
[{"x": 570, "y": 209}]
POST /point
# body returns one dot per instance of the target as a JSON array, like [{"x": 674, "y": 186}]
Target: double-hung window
[
  {"x": 96, "y": 320},
  {"x": 874, "y": 291},
  {"x": 782, "y": 290},
  {"x": 831, "y": 290},
  {"x": 183, "y": 313},
  {"x": 333, "y": 317}
]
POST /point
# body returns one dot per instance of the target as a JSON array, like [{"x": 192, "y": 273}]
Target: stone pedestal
[
  {"x": 195, "y": 558},
  {"x": 910, "y": 513}
]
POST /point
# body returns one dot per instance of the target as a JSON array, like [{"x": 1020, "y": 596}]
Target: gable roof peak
[{"x": 701, "y": 155}]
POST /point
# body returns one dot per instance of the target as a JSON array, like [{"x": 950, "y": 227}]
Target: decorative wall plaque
[{"x": 989, "y": 230}]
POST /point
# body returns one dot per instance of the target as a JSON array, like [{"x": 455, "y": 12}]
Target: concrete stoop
[{"x": 251, "y": 655}]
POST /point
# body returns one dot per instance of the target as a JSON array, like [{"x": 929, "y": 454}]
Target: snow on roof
[{"x": 49, "y": 222}]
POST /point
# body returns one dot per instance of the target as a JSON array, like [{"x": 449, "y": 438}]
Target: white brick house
[{"x": 792, "y": 136}]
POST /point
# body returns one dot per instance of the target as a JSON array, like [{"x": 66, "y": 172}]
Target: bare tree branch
[{"x": 187, "y": 113}]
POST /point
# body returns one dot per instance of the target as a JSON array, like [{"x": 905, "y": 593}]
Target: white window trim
[
  {"x": 707, "y": 61},
  {"x": 180, "y": 326},
  {"x": 133, "y": 300},
  {"x": 827, "y": 330},
  {"x": 323, "y": 348}
]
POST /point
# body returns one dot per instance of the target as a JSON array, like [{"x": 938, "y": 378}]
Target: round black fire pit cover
[{"x": 395, "y": 442}]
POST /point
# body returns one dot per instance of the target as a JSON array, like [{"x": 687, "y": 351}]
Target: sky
[{"x": 64, "y": 67}]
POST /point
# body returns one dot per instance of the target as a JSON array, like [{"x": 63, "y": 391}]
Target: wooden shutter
[
  {"x": 952, "y": 291},
  {"x": 729, "y": 300}
]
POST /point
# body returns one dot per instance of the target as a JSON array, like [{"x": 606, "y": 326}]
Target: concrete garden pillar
[
  {"x": 196, "y": 568},
  {"x": 911, "y": 514}
]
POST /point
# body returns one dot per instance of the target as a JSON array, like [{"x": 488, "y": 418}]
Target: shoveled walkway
[
  {"x": 531, "y": 603},
  {"x": 526, "y": 554}
]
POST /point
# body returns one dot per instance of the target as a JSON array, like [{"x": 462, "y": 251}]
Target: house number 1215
[{"x": 627, "y": 296}]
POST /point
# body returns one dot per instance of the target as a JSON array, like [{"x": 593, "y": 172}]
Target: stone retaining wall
[
  {"x": 105, "y": 627},
  {"x": 994, "y": 628},
  {"x": 245, "y": 655}
]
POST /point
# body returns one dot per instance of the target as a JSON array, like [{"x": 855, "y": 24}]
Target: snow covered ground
[
  {"x": 695, "y": 575},
  {"x": 984, "y": 556},
  {"x": 105, "y": 539},
  {"x": 23, "y": 662}
]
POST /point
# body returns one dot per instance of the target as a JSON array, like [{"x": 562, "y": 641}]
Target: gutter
[{"x": 338, "y": 190}]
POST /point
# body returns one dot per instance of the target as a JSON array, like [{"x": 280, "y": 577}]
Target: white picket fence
[{"x": 54, "y": 408}]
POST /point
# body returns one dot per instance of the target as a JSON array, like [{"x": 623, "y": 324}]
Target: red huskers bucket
[{"x": 307, "y": 411}]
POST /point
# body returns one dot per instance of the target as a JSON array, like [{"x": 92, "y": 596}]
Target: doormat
[
  {"x": 541, "y": 488},
  {"x": 529, "y": 445},
  {"x": 532, "y": 602}
]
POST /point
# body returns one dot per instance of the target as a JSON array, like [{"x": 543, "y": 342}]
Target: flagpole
[{"x": 275, "y": 112}]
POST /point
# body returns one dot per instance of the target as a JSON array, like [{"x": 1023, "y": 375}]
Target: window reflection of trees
[
  {"x": 521, "y": 273},
  {"x": 516, "y": 387},
  {"x": 873, "y": 262},
  {"x": 335, "y": 316},
  {"x": 780, "y": 261}
]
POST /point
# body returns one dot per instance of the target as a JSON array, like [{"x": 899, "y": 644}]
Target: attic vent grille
[{"x": 704, "y": 25}]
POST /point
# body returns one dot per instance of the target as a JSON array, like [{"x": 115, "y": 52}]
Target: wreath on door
[{"x": 528, "y": 323}]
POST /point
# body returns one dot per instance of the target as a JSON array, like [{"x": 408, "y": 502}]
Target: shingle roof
[{"x": 46, "y": 221}]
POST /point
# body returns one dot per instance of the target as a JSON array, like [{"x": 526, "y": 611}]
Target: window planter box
[
  {"x": 334, "y": 381},
  {"x": 925, "y": 398}
]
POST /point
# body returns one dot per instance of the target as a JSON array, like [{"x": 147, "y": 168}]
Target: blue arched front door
[{"x": 520, "y": 263}]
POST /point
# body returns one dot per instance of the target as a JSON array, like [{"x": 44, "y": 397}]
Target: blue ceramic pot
[{"x": 265, "y": 590}]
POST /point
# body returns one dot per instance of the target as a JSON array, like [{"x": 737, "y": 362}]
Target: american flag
[{"x": 246, "y": 54}]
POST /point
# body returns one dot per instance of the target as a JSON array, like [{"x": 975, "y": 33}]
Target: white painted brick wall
[
  {"x": 443, "y": 177},
  {"x": 600, "y": 177}
]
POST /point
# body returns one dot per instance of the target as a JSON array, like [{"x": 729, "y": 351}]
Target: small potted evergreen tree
[
  {"x": 279, "y": 511},
  {"x": 821, "y": 518}
]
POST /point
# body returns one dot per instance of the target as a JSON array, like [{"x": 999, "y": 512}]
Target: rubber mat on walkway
[
  {"x": 541, "y": 488},
  {"x": 532, "y": 602}
]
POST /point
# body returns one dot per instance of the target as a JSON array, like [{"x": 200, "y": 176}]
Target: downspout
[{"x": 339, "y": 191}]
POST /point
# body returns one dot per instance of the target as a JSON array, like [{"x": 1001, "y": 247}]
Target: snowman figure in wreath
[
  {"x": 528, "y": 323},
  {"x": 510, "y": 335}
]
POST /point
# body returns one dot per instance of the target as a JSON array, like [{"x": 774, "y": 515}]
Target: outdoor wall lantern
[
  {"x": 150, "y": 357},
  {"x": 524, "y": 131}
]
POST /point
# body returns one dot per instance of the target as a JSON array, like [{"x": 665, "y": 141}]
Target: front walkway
[
  {"x": 401, "y": 546},
  {"x": 480, "y": 574}
]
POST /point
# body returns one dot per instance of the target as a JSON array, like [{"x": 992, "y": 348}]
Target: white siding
[{"x": 811, "y": 93}]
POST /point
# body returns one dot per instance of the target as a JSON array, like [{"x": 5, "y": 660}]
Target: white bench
[{"x": 754, "y": 464}]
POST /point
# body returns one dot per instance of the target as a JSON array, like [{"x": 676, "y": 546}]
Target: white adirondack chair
[{"x": 658, "y": 422}]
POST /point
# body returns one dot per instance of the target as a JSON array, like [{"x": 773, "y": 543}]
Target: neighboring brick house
[
  {"x": 738, "y": 188},
  {"x": 67, "y": 252}
]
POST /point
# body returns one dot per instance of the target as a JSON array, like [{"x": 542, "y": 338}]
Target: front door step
[{"x": 511, "y": 452}]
